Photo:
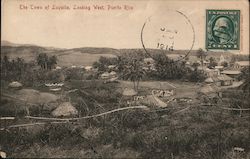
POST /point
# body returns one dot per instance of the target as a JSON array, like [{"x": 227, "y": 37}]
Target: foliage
[
  {"x": 45, "y": 61},
  {"x": 103, "y": 63},
  {"x": 212, "y": 62},
  {"x": 167, "y": 68},
  {"x": 131, "y": 68},
  {"x": 202, "y": 55}
]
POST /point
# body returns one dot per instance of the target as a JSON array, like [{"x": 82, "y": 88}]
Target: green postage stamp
[{"x": 223, "y": 29}]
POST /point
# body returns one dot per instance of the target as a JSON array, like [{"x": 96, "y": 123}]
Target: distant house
[
  {"x": 222, "y": 60},
  {"x": 112, "y": 67},
  {"x": 88, "y": 68},
  {"x": 206, "y": 63},
  {"x": 225, "y": 80},
  {"x": 113, "y": 74},
  {"x": 105, "y": 75},
  {"x": 219, "y": 67},
  {"x": 58, "y": 68},
  {"x": 241, "y": 64},
  {"x": 212, "y": 72},
  {"x": 220, "y": 80},
  {"x": 149, "y": 64}
]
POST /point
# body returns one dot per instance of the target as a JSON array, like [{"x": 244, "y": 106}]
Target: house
[
  {"x": 206, "y": 63},
  {"x": 149, "y": 64},
  {"x": 212, "y": 72},
  {"x": 225, "y": 80},
  {"x": 111, "y": 67},
  {"x": 222, "y": 60},
  {"x": 231, "y": 73},
  {"x": 241, "y": 64},
  {"x": 58, "y": 68},
  {"x": 220, "y": 80},
  {"x": 113, "y": 74},
  {"x": 219, "y": 67},
  {"x": 105, "y": 75},
  {"x": 16, "y": 85},
  {"x": 65, "y": 109},
  {"x": 88, "y": 68}
]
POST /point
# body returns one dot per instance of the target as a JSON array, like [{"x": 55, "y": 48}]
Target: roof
[
  {"x": 65, "y": 109},
  {"x": 113, "y": 73},
  {"x": 105, "y": 74},
  {"x": 129, "y": 92},
  {"x": 242, "y": 63},
  {"x": 111, "y": 66},
  {"x": 224, "y": 77},
  {"x": 219, "y": 67},
  {"x": 207, "y": 89},
  {"x": 148, "y": 60},
  {"x": 15, "y": 84},
  {"x": 231, "y": 72},
  {"x": 209, "y": 80}
]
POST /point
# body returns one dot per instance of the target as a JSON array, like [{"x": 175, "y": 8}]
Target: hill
[{"x": 83, "y": 56}]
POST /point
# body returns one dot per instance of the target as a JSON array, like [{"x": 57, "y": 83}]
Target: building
[
  {"x": 222, "y": 60},
  {"x": 241, "y": 64},
  {"x": 225, "y": 80},
  {"x": 88, "y": 68},
  {"x": 149, "y": 64},
  {"x": 211, "y": 72}
]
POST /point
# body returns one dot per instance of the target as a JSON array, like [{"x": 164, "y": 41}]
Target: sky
[{"x": 117, "y": 28}]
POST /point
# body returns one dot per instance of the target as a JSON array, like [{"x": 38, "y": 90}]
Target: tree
[
  {"x": 103, "y": 63},
  {"x": 45, "y": 61},
  {"x": 131, "y": 67},
  {"x": 52, "y": 61},
  {"x": 202, "y": 55},
  {"x": 224, "y": 64},
  {"x": 166, "y": 68},
  {"x": 42, "y": 60},
  {"x": 5, "y": 65},
  {"x": 212, "y": 62}
]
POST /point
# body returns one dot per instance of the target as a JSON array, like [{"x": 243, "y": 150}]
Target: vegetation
[
  {"x": 45, "y": 61},
  {"x": 180, "y": 131}
]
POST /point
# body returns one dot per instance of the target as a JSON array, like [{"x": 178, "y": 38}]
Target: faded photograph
[{"x": 125, "y": 79}]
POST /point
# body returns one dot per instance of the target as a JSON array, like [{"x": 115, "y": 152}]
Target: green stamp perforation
[{"x": 223, "y": 29}]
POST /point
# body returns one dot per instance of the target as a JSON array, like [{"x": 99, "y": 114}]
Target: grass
[{"x": 198, "y": 132}]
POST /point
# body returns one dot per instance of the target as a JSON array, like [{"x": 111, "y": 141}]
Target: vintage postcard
[{"x": 125, "y": 79}]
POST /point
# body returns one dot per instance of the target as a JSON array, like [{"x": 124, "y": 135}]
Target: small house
[
  {"x": 65, "y": 109},
  {"x": 88, "y": 68},
  {"x": 241, "y": 64},
  {"x": 225, "y": 80},
  {"x": 105, "y": 75}
]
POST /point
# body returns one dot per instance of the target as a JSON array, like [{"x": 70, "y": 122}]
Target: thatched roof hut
[
  {"x": 65, "y": 109},
  {"x": 129, "y": 92},
  {"x": 15, "y": 84},
  {"x": 207, "y": 89}
]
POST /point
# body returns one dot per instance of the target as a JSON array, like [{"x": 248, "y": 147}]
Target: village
[{"x": 130, "y": 90}]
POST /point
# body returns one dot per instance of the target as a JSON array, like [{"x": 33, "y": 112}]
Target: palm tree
[
  {"x": 42, "y": 60},
  {"x": 52, "y": 61},
  {"x": 202, "y": 55}
]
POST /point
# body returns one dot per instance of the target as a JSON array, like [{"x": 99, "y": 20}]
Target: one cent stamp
[{"x": 223, "y": 29}]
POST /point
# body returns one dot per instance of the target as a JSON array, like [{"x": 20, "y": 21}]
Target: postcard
[{"x": 125, "y": 79}]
